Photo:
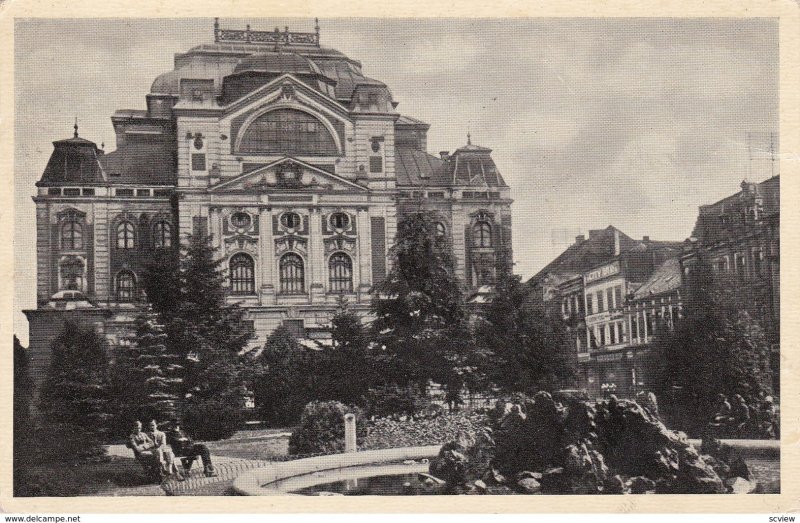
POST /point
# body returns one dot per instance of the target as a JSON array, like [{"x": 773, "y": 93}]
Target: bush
[
  {"x": 390, "y": 433},
  {"x": 322, "y": 428},
  {"x": 393, "y": 400},
  {"x": 214, "y": 418}
]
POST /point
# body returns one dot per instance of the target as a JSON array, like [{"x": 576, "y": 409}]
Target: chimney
[
  {"x": 580, "y": 239},
  {"x": 444, "y": 155},
  {"x": 646, "y": 239},
  {"x": 616, "y": 242}
]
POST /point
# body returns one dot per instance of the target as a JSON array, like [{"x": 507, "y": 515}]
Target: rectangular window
[
  {"x": 54, "y": 191},
  {"x": 758, "y": 258},
  {"x": 612, "y": 334},
  {"x": 375, "y": 164},
  {"x": 618, "y": 295},
  {"x": 621, "y": 332},
  {"x": 467, "y": 194},
  {"x": 600, "y": 301},
  {"x": 88, "y": 192},
  {"x": 589, "y": 305},
  {"x": 198, "y": 162},
  {"x": 142, "y": 192},
  {"x": 161, "y": 192},
  {"x": 494, "y": 195},
  {"x": 602, "y": 330},
  {"x": 436, "y": 195},
  {"x": 295, "y": 327},
  {"x": 634, "y": 328},
  {"x": 72, "y": 192},
  {"x": 124, "y": 192}
]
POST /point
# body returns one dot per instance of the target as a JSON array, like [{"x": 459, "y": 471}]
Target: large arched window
[
  {"x": 71, "y": 235},
  {"x": 125, "y": 235},
  {"x": 482, "y": 234},
  {"x": 287, "y": 131},
  {"x": 242, "y": 269},
  {"x": 340, "y": 268},
  {"x": 162, "y": 235},
  {"x": 292, "y": 274},
  {"x": 126, "y": 286}
]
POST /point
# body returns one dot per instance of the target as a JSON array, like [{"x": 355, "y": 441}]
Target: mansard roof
[
  {"x": 469, "y": 166},
  {"x": 74, "y": 160}
]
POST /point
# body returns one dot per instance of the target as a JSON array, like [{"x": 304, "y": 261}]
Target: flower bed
[{"x": 388, "y": 433}]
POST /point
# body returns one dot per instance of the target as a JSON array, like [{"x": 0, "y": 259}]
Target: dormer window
[{"x": 241, "y": 220}]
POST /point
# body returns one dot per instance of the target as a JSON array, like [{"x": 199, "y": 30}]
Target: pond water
[{"x": 397, "y": 479}]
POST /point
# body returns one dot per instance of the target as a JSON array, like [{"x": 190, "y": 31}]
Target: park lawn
[{"x": 251, "y": 448}]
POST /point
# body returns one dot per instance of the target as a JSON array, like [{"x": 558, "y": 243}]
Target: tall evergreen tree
[
  {"x": 717, "y": 348},
  {"x": 204, "y": 331},
  {"x": 148, "y": 377},
  {"x": 522, "y": 347},
  {"x": 74, "y": 396},
  {"x": 419, "y": 307}
]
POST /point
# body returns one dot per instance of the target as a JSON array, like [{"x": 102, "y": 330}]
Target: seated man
[
  {"x": 184, "y": 447},
  {"x": 164, "y": 451},
  {"x": 143, "y": 450}
]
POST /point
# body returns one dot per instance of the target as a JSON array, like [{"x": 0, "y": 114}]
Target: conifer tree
[
  {"x": 74, "y": 397},
  {"x": 419, "y": 307}
]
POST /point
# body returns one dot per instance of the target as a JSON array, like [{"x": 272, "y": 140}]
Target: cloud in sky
[{"x": 631, "y": 122}]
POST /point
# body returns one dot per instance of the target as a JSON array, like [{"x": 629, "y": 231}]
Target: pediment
[
  {"x": 287, "y": 174},
  {"x": 286, "y": 89}
]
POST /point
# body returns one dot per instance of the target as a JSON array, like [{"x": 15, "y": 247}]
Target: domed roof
[{"x": 277, "y": 62}]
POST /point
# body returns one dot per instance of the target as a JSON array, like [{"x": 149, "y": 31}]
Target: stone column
[
  {"x": 316, "y": 257},
  {"x": 267, "y": 256},
  {"x": 364, "y": 253},
  {"x": 350, "y": 432}
]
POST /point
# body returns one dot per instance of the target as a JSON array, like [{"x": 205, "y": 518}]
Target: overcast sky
[{"x": 630, "y": 122}]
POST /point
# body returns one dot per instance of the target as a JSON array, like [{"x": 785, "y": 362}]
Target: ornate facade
[{"x": 297, "y": 164}]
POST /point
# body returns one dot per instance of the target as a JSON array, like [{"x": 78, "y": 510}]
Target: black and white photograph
[{"x": 350, "y": 256}]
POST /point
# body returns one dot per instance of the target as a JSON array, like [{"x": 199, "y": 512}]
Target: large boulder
[{"x": 451, "y": 464}]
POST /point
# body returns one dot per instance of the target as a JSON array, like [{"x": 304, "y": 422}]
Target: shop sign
[
  {"x": 602, "y": 272},
  {"x": 616, "y": 356}
]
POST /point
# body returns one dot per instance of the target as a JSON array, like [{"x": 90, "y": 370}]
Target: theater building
[{"x": 295, "y": 162}]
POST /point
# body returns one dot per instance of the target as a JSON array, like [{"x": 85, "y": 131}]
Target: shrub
[
  {"x": 389, "y": 433},
  {"x": 322, "y": 428},
  {"x": 214, "y": 418},
  {"x": 393, "y": 400}
]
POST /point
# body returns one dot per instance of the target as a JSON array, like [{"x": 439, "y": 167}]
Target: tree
[
  {"x": 522, "y": 347},
  {"x": 74, "y": 399},
  {"x": 283, "y": 380},
  {"x": 419, "y": 308},
  {"x": 345, "y": 371},
  {"x": 148, "y": 377},
  {"x": 23, "y": 389},
  {"x": 210, "y": 335},
  {"x": 717, "y": 348}
]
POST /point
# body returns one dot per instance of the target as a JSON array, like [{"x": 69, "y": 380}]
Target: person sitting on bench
[
  {"x": 184, "y": 447},
  {"x": 144, "y": 451},
  {"x": 164, "y": 452}
]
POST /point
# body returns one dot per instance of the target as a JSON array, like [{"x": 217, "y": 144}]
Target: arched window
[
  {"x": 292, "y": 274},
  {"x": 125, "y": 235},
  {"x": 72, "y": 275},
  {"x": 71, "y": 235},
  {"x": 439, "y": 230},
  {"x": 242, "y": 269},
  {"x": 126, "y": 286},
  {"x": 162, "y": 235},
  {"x": 340, "y": 268},
  {"x": 288, "y": 131},
  {"x": 482, "y": 234}
]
